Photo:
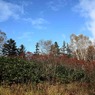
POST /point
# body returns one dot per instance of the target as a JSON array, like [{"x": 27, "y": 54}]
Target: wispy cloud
[
  {"x": 87, "y": 9},
  {"x": 25, "y": 35},
  {"x": 16, "y": 11},
  {"x": 56, "y": 5},
  {"x": 64, "y": 36},
  {"x": 39, "y": 23},
  {"x": 8, "y": 10}
]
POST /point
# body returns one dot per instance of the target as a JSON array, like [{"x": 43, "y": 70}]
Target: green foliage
[
  {"x": 57, "y": 48},
  {"x": 22, "y": 71},
  {"x": 10, "y": 48},
  {"x": 37, "y": 49},
  {"x": 21, "y": 51},
  {"x": 19, "y": 71},
  {"x": 67, "y": 75},
  {"x": 62, "y": 74}
]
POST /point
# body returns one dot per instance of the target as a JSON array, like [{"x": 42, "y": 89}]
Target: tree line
[
  {"x": 80, "y": 47},
  {"x": 9, "y": 47}
]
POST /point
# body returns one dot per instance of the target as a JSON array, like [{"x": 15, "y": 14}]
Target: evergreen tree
[
  {"x": 10, "y": 48},
  {"x": 21, "y": 51},
  {"x": 63, "y": 49},
  {"x": 54, "y": 50},
  {"x": 37, "y": 48},
  {"x": 57, "y": 50}
]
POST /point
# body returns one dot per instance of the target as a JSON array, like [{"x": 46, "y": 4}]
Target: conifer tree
[
  {"x": 21, "y": 50},
  {"x": 57, "y": 50},
  {"x": 10, "y": 48},
  {"x": 37, "y": 49},
  {"x": 63, "y": 49}
]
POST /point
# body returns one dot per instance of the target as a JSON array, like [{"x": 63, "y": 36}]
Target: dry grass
[{"x": 46, "y": 89}]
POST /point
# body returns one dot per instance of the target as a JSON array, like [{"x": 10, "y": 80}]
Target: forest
[{"x": 49, "y": 70}]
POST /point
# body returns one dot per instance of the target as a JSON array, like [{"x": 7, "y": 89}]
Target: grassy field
[{"x": 47, "y": 89}]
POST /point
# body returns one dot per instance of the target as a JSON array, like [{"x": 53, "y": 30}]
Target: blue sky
[{"x": 28, "y": 21}]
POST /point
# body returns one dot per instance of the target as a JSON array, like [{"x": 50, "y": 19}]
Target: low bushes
[
  {"x": 23, "y": 71},
  {"x": 67, "y": 75},
  {"x": 19, "y": 71}
]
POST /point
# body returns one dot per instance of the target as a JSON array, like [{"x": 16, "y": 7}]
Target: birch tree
[
  {"x": 79, "y": 45},
  {"x": 45, "y": 46},
  {"x": 2, "y": 40}
]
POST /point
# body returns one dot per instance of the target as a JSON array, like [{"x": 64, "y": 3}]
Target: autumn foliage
[
  {"x": 41, "y": 68},
  {"x": 74, "y": 62}
]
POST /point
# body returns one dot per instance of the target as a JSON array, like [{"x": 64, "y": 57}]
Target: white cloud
[
  {"x": 87, "y": 10},
  {"x": 56, "y": 5},
  {"x": 37, "y": 23},
  {"x": 8, "y": 10}
]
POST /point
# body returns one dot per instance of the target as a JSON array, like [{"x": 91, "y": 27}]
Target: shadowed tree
[
  {"x": 10, "y": 48},
  {"x": 37, "y": 49},
  {"x": 55, "y": 49},
  {"x": 21, "y": 51}
]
